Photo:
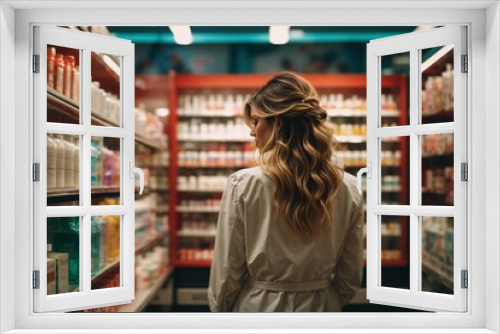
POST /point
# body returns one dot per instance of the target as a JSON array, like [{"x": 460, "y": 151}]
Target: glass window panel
[
  {"x": 394, "y": 252},
  {"x": 394, "y": 102},
  {"x": 437, "y": 169},
  {"x": 105, "y": 89},
  {"x": 63, "y": 255},
  {"x": 437, "y": 84},
  {"x": 105, "y": 252},
  {"x": 63, "y": 169},
  {"x": 63, "y": 85},
  {"x": 437, "y": 254},
  {"x": 105, "y": 170},
  {"x": 394, "y": 170}
]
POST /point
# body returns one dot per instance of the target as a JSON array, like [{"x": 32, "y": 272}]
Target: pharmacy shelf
[
  {"x": 142, "y": 298},
  {"x": 362, "y": 139},
  {"x": 390, "y": 234},
  {"x": 201, "y": 191},
  {"x": 330, "y": 112},
  {"x": 196, "y": 234},
  {"x": 76, "y": 191},
  {"x": 439, "y": 117},
  {"x": 161, "y": 210},
  {"x": 209, "y": 114},
  {"x": 161, "y": 236},
  {"x": 106, "y": 71},
  {"x": 386, "y": 189},
  {"x": 114, "y": 265},
  {"x": 443, "y": 160},
  {"x": 217, "y": 166},
  {"x": 183, "y": 209},
  {"x": 208, "y": 140},
  {"x": 394, "y": 263},
  {"x": 159, "y": 188},
  {"x": 192, "y": 263},
  {"x": 432, "y": 198},
  {"x": 95, "y": 191},
  {"x": 436, "y": 64},
  {"x": 106, "y": 270},
  {"x": 247, "y": 84},
  {"x": 430, "y": 268},
  {"x": 364, "y": 165},
  {"x": 61, "y": 104},
  {"x": 359, "y": 114}
]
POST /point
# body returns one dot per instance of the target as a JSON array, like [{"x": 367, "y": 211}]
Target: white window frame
[
  {"x": 86, "y": 43},
  {"x": 412, "y": 44},
  {"x": 484, "y": 103}
]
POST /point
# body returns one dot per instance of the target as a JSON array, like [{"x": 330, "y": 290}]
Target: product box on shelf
[
  {"x": 62, "y": 271},
  {"x": 51, "y": 276}
]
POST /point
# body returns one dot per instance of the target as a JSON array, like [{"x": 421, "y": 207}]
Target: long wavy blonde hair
[{"x": 298, "y": 154}]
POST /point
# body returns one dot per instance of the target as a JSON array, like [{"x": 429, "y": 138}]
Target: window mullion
[
  {"x": 85, "y": 176},
  {"x": 415, "y": 246}
]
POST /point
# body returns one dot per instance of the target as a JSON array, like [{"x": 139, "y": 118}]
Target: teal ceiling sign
[{"x": 255, "y": 38}]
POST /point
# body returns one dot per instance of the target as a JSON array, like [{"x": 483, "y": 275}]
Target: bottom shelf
[
  {"x": 142, "y": 298},
  {"x": 192, "y": 264}
]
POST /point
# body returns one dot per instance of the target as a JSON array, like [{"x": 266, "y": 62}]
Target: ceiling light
[
  {"x": 296, "y": 33},
  {"x": 279, "y": 34},
  {"x": 182, "y": 34}
]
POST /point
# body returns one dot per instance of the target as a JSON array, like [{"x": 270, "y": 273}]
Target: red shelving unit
[{"x": 338, "y": 83}]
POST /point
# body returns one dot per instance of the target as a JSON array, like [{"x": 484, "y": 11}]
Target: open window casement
[
  {"x": 68, "y": 230},
  {"x": 436, "y": 211}
]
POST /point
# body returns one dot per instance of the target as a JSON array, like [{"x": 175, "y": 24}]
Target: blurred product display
[
  {"x": 63, "y": 182},
  {"x": 190, "y": 136}
]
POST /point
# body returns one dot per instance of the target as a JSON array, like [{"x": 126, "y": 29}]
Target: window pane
[
  {"x": 394, "y": 252},
  {"x": 394, "y": 170},
  {"x": 63, "y": 169},
  {"x": 63, "y": 255},
  {"x": 105, "y": 170},
  {"x": 63, "y": 85},
  {"x": 394, "y": 101},
  {"x": 437, "y": 169},
  {"x": 437, "y": 84},
  {"x": 437, "y": 254},
  {"x": 105, "y": 89},
  {"x": 105, "y": 252}
]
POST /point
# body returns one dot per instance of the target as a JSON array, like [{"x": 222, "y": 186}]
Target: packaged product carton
[
  {"x": 51, "y": 276},
  {"x": 62, "y": 276}
]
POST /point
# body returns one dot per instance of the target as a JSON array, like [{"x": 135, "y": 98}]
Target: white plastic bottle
[
  {"x": 51, "y": 162},
  {"x": 60, "y": 161},
  {"x": 76, "y": 162},
  {"x": 76, "y": 86},
  {"x": 70, "y": 161}
]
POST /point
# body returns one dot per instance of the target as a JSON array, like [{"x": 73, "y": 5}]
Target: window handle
[
  {"x": 368, "y": 171},
  {"x": 133, "y": 170}
]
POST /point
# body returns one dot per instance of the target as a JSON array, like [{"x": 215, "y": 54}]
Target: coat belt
[{"x": 291, "y": 286}]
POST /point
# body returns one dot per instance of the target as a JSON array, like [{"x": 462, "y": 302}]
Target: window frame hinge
[
  {"x": 464, "y": 279},
  {"x": 36, "y": 279},
  {"x": 465, "y": 64},
  {"x": 36, "y": 172},
  {"x": 464, "y": 171},
  {"x": 36, "y": 63}
]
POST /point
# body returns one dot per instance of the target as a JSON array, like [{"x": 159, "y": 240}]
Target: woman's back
[{"x": 282, "y": 272}]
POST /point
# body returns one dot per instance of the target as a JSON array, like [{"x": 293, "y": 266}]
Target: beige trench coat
[{"x": 259, "y": 267}]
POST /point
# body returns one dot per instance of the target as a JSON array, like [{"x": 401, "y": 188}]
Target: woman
[{"x": 289, "y": 235}]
